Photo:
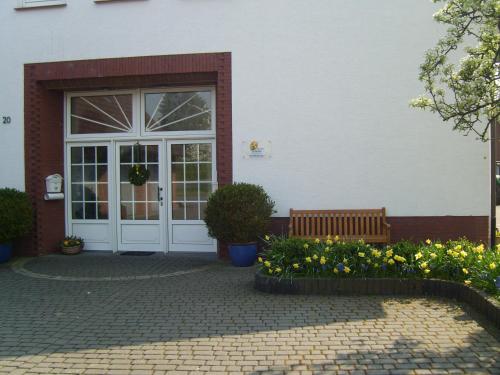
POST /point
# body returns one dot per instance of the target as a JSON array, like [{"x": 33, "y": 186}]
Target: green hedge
[
  {"x": 15, "y": 214},
  {"x": 460, "y": 260}
]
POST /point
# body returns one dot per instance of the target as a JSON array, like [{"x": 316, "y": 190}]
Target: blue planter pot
[
  {"x": 243, "y": 255},
  {"x": 5, "y": 252}
]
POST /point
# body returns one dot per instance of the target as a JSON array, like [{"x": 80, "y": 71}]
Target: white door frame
[
  {"x": 138, "y": 134},
  {"x": 210, "y": 246}
]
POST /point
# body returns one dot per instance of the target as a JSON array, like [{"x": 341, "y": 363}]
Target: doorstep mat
[{"x": 138, "y": 253}]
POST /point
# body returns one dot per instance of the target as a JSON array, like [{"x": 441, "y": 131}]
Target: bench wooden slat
[{"x": 367, "y": 224}]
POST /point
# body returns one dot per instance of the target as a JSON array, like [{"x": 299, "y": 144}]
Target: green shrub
[
  {"x": 461, "y": 260},
  {"x": 15, "y": 214},
  {"x": 238, "y": 213}
]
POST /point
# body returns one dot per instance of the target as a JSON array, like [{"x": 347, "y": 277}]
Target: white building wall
[{"x": 326, "y": 81}]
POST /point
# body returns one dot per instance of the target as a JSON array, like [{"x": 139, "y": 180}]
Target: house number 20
[{"x": 6, "y": 120}]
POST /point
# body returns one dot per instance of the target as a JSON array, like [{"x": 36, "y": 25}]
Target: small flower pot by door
[
  {"x": 71, "y": 250},
  {"x": 5, "y": 252},
  {"x": 243, "y": 255}
]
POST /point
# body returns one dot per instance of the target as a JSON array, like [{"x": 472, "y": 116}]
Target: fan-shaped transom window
[
  {"x": 144, "y": 112},
  {"x": 101, "y": 114},
  {"x": 178, "y": 111}
]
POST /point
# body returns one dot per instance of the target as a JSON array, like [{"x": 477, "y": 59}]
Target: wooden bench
[{"x": 350, "y": 225}]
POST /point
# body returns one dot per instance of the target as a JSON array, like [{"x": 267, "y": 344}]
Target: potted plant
[
  {"x": 238, "y": 215},
  {"x": 72, "y": 245},
  {"x": 16, "y": 219}
]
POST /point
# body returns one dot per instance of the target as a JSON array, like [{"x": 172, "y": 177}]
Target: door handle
[{"x": 160, "y": 198}]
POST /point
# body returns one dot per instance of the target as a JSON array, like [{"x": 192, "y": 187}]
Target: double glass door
[{"x": 163, "y": 214}]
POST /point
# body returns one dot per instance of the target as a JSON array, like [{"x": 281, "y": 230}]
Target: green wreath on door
[{"x": 137, "y": 173}]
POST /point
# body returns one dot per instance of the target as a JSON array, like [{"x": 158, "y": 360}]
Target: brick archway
[{"x": 44, "y": 86}]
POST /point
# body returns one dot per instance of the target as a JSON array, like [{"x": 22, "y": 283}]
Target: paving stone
[{"x": 213, "y": 321}]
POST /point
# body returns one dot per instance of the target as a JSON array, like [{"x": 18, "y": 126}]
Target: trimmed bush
[
  {"x": 15, "y": 214},
  {"x": 461, "y": 260},
  {"x": 238, "y": 213}
]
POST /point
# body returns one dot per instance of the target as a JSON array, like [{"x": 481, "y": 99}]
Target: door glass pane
[
  {"x": 153, "y": 213},
  {"x": 139, "y": 202},
  {"x": 178, "y": 210},
  {"x": 76, "y": 155},
  {"x": 177, "y": 172},
  {"x": 89, "y": 191},
  {"x": 205, "y": 172},
  {"x": 101, "y": 114},
  {"x": 178, "y": 111},
  {"x": 127, "y": 211},
  {"x": 191, "y": 178}
]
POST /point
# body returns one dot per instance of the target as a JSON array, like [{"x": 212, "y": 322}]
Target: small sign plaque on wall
[{"x": 256, "y": 149}]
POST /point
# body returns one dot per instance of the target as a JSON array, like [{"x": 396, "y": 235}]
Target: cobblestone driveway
[{"x": 212, "y": 320}]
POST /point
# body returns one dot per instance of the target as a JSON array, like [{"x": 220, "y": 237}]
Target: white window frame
[
  {"x": 136, "y": 113},
  {"x": 68, "y": 182},
  {"x": 185, "y": 133},
  {"x": 22, "y": 4}
]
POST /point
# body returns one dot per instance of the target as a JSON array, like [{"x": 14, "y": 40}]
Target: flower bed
[{"x": 461, "y": 261}]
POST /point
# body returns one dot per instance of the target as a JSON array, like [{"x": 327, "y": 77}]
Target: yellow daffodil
[
  {"x": 336, "y": 238},
  {"x": 329, "y": 242},
  {"x": 315, "y": 257},
  {"x": 400, "y": 258},
  {"x": 296, "y": 266},
  {"x": 270, "y": 270},
  {"x": 450, "y": 252},
  {"x": 426, "y": 271},
  {"x": 454, "y": 254},
  {"x": 335, "y": 270},
  {"x": 277, "y": 270},
  {"x": 463, "y": 254},
  {"x": 260, "y": 259},
  {"x": 389, "y": 253},
  {"x": 347, "y": 269},
  {"x": 424, "y": 265},
  {"x": 465, "y": 270},
  {"x": 376, "y": 253},
  {"x": 478, "y": 249},
  {"x": 327, "y": 249},
  {"x": 361, "y": 241},
  {"x": 492, "y": 266},
  {"x": 391, "y": 261},
  {"x": 306, "y": 246},
  {"x": 458, "y": 247},
  {"x": 345, "y": 260},
  {"x": 467, "y": 282},
  {"x": 418, "y": 255},
  {"x": 361, "y": 254},
  {"x": 308, "y": 259},
  {"x": 267, "y": 237},
  {"x": 375, "y": 265},
  {"x": 267, "y": 263},
  {"x": 428, "y": 241},
  {"x": 438, "y": 246},
  {"x": 317, "y": 240},
  {"x": 322, "y": 260},
  {"x": 368, "y": 261},
  {"x": 433, "y": 255},
  {"x": 480, "y": 257}
]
